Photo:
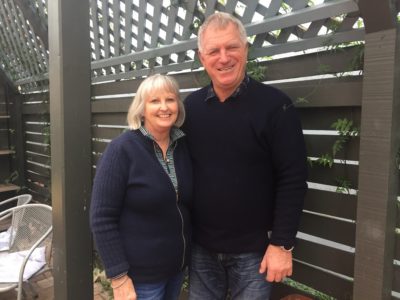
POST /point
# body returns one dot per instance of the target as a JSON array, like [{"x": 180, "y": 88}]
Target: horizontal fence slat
[
  {"x": 36, "y": 109},
  {"x": 396, "y": 279},
  {"x": 341, "y": 205},
  {"x": 95, "y": 159},
  {"x": 330, "y": 92},
  {"x": 106, "y": 133},
  {"x": 98, "y": 147},
  {"x": 110, "y": 119},
  {"x": 324, "y": 62},
  {"x": 335, "y": 175},
  {"x": 318, "y": 118},
  {"x": 41, "y": 190},
  {"x": 37, "y": 97},
  {"x": 324, "y": 282},
  {"x": 38, "y": 158},
  {"x": 45, "y": 179},
  {"x": 339, "y": 261},
  {"x": 280, "y": 290},
  {"x": 38, "y": 148},
  {"x": 37, "y": 169},
  {"x": 327, "y": 228},
  {"x": 41, "y": 128},
  {"x": 111, "y": 105},
  {"x": 37, "y": 118},
  {"x": 318, "y": 145},
  {"x": 36, "y": 138}
]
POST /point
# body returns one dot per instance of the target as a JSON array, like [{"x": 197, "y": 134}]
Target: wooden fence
[{"x": 324, "y": 257}]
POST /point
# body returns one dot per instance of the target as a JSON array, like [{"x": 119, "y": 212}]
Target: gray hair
[
  {"x": 153, "y": 83},
  {"x": 220, "y": 20}
]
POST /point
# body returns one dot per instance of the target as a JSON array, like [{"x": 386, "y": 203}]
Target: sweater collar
[
  {"x": 174, "y": 134},
  {"x": 240, "y": 89}
]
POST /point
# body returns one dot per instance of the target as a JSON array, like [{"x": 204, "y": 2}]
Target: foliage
[
  {"x": 99, "y": 275},
  {"x": 346, "y": 130},
  {"x": 307, "y": 289},
  {"x": 12, "y": 177}
]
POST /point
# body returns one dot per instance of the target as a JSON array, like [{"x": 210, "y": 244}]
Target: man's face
[{"x": 224, "y": 56}]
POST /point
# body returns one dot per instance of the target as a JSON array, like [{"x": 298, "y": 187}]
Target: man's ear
[{"x": 200, "y": 57}]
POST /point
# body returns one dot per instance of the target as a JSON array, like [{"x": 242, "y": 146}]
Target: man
[{"x": 250, "y": 172}]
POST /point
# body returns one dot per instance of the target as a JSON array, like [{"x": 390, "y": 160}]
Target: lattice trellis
[
  {"x": 22, "y": 54},
  {"x": 133, "y": 38}
]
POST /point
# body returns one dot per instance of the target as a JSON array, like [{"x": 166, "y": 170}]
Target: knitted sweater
[
  {"x": 140, "y": 224},
  {"x": 250, "y": 169}
]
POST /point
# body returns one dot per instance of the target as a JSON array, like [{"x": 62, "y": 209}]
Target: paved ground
[{"x": 43, "y": 285}]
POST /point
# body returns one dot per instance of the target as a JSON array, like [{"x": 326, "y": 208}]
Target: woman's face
[{"x": 160, "y": 111}]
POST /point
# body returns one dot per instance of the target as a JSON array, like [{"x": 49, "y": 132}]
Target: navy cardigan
[{"x": 140, "y": 224}]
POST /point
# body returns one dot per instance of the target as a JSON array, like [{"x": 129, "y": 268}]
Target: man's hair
[
  {"x": 220, "y": 20},
  {"x": 153, "y": 83}
]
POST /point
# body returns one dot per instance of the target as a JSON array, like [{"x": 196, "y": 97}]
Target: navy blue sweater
[
  {"x": 250, "y": 169},
  {"x": 140, "y": 224}
]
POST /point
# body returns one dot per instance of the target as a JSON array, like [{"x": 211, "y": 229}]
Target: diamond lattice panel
[
  {"x": 133, "y": 38},
  {"x": 23, "y": 56}
]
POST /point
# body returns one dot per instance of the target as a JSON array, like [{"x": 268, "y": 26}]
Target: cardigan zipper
[
  {"x": 177, "y": 205},
  {"x": 182, "y": 230}
]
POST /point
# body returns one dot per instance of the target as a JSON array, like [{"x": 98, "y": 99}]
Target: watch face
[{"x": 288, "y": 248}]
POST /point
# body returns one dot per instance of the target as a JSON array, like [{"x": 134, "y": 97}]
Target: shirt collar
[
  {"x": 240, "y": 89},
  {"x": 174, "y": 134}
]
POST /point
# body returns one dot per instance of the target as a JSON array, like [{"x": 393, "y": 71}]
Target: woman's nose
[{"x": 163, "y": 105}]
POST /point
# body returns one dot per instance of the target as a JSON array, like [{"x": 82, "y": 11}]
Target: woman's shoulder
[{"x": 126, "y": 139}]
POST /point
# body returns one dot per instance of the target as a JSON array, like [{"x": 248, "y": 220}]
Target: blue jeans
[
  {"x": 168, "y": 289},
  {"x": 212, "y": 275}
]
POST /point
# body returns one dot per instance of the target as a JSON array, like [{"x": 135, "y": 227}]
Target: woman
[{"x": 141, "y": 197}]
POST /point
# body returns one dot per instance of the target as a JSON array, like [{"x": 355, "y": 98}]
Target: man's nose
[{"x": 223, "y": 55}]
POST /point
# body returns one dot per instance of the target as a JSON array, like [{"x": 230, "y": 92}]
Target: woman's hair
[
  {"x": 220, "y": 20},
  {"x": 153, "y": 83}
]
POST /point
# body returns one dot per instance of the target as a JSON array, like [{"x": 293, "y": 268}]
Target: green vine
[{"x": 346, "y": 131}]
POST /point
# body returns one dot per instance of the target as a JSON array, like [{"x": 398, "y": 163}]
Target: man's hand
[
  {"x": 123, "y": 288},
  {"x": 277, "y": 263}
]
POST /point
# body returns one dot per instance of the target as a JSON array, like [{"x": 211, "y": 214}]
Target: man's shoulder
[
  {"x": 266, "y": 88},
  {"x": 266, "y": 91},
  {"x": 197, "y": 95}
]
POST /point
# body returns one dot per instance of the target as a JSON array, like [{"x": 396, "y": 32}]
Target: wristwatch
[{"x": 287, "y": 248}]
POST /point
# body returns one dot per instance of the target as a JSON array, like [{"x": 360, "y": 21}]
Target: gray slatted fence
[{"x": 131, "y": 39}]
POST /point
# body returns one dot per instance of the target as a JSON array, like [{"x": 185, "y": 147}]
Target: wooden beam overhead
[{"x": 379, "y": 15}]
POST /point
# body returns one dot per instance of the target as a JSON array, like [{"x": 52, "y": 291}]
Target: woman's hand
[{"x": 123, "y": 288}]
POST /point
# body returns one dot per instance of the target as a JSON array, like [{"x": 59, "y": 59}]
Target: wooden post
[
  {"x": 70, "y": 147},
  {"x": 379, "y": 143}
]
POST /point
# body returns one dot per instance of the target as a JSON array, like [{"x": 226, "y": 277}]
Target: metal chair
[
  {"x": 30, "y": 228},
  {"x": 8, "y": 203}
]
